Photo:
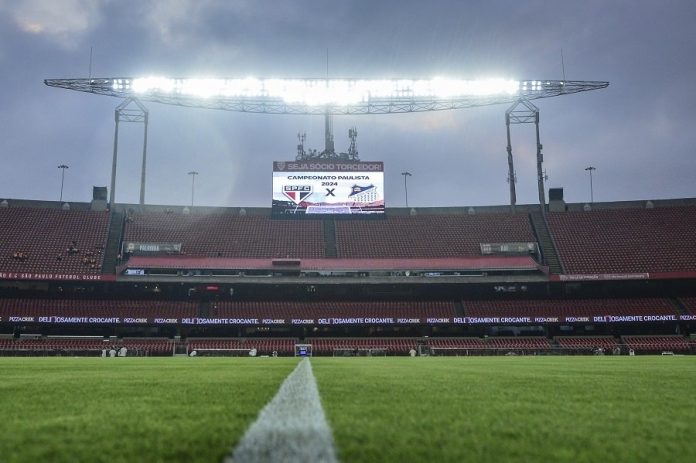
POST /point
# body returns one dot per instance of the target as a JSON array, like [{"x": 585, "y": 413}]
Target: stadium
[
  {"x": 78, "y": 279},
  {"x": 614, "y": 280},
  {"x": 328, "y": 270},
  {"x": 336, "y": 322}
]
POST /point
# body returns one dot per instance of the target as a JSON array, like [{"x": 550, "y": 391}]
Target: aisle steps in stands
[
  {"x": 548, "y": 249},
  {"x": 204, "y": 309},
  {"x": 689, "y": 305},
  {"x": 459, "y": 309},
  {"x": 113, "y": 242},
  {"x": 679, "y": 307},
  {"x": 330, "y": 238}
]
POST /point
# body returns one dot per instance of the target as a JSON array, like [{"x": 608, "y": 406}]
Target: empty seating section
[
  {"x": 429, "y": 235},
  {"x": 569, "y": 307},
  {"x": 489, "y": 344},
  {"x": 626, "y": 240},
  {"x": 96, "y": 308},
  {"x": 136, "y": 346},
  {"x": 149, "y": 346},
  {"x": 266, "y": 346},
  {"x": 227, "y": 235},
  {"x": 587, "y": 342},
  {"x": 314, "y": 309},
  {"x": 457, "y": 343},
  {"x": 57, "y": 344},
  {"x": 674, "y": 343},
  {"x": 525, "y": 343},
  {"x": 213, "y": 343},
  {"x": 402, "y": 346},
  {"x": 394, "y": 346},
  {"x": 263, "y": 346},
  {"x": 223, "y": 309},
  {"x": 39, "y": 240}
]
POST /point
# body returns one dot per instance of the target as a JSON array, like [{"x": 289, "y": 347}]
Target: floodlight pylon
[
  {"x": 125, "y": 112},
  {"x": 524, "y": 112}
]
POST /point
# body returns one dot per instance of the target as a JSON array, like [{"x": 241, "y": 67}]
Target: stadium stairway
[
  {"x": 204, "y": 309},
  {"x": 549, "y": 253},
  {"x": 113, "y": 242},
  {"x": 459, "y": 309},
  {"x": 679, "y": 307},
  {"x": 330, "y": 238}
]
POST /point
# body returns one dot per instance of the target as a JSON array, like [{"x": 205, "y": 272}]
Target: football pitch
[{"x": 478, "y": 409}]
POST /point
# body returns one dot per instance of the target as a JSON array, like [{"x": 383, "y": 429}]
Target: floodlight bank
[
  {"x": 321, "y": 92},
  {"x": 292, "y": 427},
  {"x": 326, "y": 96}
]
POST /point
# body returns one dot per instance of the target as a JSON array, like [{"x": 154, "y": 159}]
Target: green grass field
[{"x": 489, "y": 409}]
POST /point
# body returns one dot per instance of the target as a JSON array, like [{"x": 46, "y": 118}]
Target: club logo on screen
[
  {"x": 357, "y": 190},
  {"x": 297, "y": 193},
  {"x": 280, "y": 165}
]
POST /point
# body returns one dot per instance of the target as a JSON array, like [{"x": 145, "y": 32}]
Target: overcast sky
[{"x": 640, "y": 132}]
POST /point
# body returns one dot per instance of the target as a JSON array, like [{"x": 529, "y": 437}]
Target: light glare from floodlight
[
  {"x": 318, "y": 92},
  {"x": 162, "y": 84},
  {"x": 326, "y": 96}
]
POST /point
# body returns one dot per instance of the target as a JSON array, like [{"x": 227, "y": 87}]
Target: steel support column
[
  {"x": 125, "y": 114},
  {"x": 524, "y": 112},
  {"x": 512, "y": 177}
]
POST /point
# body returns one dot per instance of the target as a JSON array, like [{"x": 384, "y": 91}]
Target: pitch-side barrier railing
[
  {"x": 422, "y": 349},
  {"x": 77, "y": 352},
  {"x": 361, "y": 352},
  {"x": 621, "y": 349},
  {"x": 203, "y": 352}
]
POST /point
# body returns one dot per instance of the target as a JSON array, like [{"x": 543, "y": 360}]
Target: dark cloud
[{"x": 638, "y": 132}]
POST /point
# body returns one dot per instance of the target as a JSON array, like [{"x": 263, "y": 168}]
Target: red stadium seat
[
  {"x": 45, "y": 236},
  {"x": 626, "y": 240},
  {"x": 429, "y": 235},
  {"x": 227, "y": 235}
]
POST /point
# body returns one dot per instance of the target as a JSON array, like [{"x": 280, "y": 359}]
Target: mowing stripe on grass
[{"x": 292, "y": 427}]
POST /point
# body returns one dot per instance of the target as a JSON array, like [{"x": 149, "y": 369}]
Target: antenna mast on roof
[{"x": 329, "y": 146}]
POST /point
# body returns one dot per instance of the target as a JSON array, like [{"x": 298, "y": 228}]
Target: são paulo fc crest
[{"x": 297, "y": 193}]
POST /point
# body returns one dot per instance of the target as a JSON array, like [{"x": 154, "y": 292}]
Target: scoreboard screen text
[{"x": 328, "y": 187}]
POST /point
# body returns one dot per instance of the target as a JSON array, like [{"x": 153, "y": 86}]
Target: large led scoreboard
[{"x": 328, "y": 187}]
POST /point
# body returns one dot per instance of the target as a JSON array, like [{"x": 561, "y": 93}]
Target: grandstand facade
[{"x": 615, "y": 277}]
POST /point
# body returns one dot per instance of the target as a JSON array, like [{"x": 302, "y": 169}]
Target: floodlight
[
  {"x": 325, "y": 96},
  {"x": 328, "y": 97}
]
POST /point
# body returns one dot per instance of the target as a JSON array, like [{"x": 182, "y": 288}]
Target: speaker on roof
[
  {"x": 555, "y": 194},
  {"x": 99, "y": 193}
]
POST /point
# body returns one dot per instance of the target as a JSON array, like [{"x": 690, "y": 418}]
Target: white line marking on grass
[{"x": 292, "y": 427}]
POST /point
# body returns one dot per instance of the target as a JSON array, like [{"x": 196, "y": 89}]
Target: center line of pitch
[{"x": 292, "y": 427}]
